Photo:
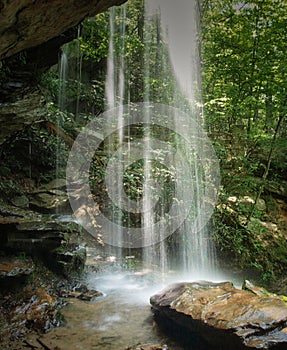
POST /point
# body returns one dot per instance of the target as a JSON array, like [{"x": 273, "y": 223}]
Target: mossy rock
[{"x": 68, "y": 260}]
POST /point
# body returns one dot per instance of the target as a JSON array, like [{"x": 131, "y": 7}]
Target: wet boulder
[
  {"x": 31, "y": 308},
  {"x": 54, "y": 239},
  {"x": 56, "y": 184},
  {"x": 13, "y": 267},
  {"x": 50, "y": 197},
  {"x": 14, "y": 271},
  {"x": 147, "y": 347},
  {"x": 20, "y": 201},
  {"x": 223, "y": 316},
  {"x": 82, "y": 292},
  {"x": 49, "y": 201},
  {"x": 67, "y": 260}
]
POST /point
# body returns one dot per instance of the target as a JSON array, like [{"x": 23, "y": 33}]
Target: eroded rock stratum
[
  {"x": 32, "y": 33},
  {"x": 27, "y": 23}
]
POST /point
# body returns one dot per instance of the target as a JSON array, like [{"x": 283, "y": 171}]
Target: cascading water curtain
[
  {"x": 62, "y": 101},
  {"x": 115, "y": 99},
  {"x": 172, "y": 30},
  {"x": 161, "y": 175}
]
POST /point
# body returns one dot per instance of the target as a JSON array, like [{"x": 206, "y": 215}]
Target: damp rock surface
[
  {"x": 147, "y": 347},
  {"x": 15, "y": 267},
  {"x": 30, "y": 309},
  {"x": 82, "y": 292},
  {"x": 14, "y": 274},
  {"x": 223, "y": 316},
  {"x": 26, "y": 24}
]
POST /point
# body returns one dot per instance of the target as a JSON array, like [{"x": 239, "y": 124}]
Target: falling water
[
  {"x": 115, "y": 92},
  {"x": 178, "y": 23},
  {"x": 79, "y": 60},
  {"x": 62, "y": 101},
  {"x": 63, "y": 81},
  {"x": 154, "y": 254},
  {"x": 179, "y": 169}
]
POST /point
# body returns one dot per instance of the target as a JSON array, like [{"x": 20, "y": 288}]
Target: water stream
[
  {"x": 121, "y": 318},
  {"x": 112, "y": 323}
]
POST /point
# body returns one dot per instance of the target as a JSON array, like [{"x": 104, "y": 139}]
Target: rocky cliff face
[
  {"x": 31, "y": 36},
  {"x": 28, "y": 23}
]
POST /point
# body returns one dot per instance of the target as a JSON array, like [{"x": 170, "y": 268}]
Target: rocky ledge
[
  {"x": 223, "y": 316},
  {"x": 27, "y": 24}
]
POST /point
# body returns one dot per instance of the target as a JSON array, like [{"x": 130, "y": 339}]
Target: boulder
[
  {"x": 25, "y": 230},
  {"x": 14, "y": 272},
  {"x": 49, "y": 201},
  {"x": 147, "y": 347},
  {"x": 56, "y": 184},
  {"x": 82, "y": 292},
  {"x": 247, "y": 201},
  {"x": 24, "y": 107},
  {"x": 30, "y": 308},
  {"x": 55, "y": 239},
  {"x": 223, "y": 316},
  {"x": 50, "y": 197},
  {"x": 15, "y": 267},
  {"x": 20, "y": 201},
  {"x": 278, "y": 189},
  {"x": 67, "y": 260}
]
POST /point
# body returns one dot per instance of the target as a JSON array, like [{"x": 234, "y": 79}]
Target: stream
[{"x": 120, "y": 319}]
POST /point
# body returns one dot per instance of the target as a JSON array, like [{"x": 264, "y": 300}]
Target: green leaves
[
  {"x": 244, "y": 62},
  {"x": 94, "y": 41},
  {"x": 243, "y": 58}
]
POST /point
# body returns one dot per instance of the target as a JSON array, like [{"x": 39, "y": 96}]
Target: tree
[
  {"x": 244, "y": 79},
  {"x": 244, "y": 64}
]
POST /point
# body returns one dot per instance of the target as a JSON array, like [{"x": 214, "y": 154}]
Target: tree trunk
[{"x": 269, "y": 159}]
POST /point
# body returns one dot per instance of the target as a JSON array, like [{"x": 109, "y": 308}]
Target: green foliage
[
  {"x": 62, "y": 119},
  {"x": 9, "y": 189},
  {"x": 244, "y": 82},
  {"x": 244, "y": 93},
  {"x": 94, "y": 42},
  {"x": 254, "y": 246},
  {"x": 244, "y": 63},
  {"x": 47, "y": 150},
  {"x": 32, "y": 153},
  {"x": 49, "y": 83},
  {"x": 138, "y": 49},
  {"x": 133, "y": 184}
]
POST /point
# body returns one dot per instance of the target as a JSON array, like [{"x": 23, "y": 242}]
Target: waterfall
[
  {"x": 178, "y": 23},
  {"x": 62, "y": 101},
  {"x": 63, "y": 81},
  {"x": 157, "y": 146},
  {"x": 115, "y": 92},
  {"x": 79, "y": 59}
]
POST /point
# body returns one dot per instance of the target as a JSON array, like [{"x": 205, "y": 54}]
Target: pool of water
[{"x": 121, "y": 318}]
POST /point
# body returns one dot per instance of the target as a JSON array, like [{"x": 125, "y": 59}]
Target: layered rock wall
[
  {"x": 28, "y": 23},
  {"x": 32, "y": 33}
]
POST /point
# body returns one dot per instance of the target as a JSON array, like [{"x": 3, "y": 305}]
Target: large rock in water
[{"x": 224, "y": 317}]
